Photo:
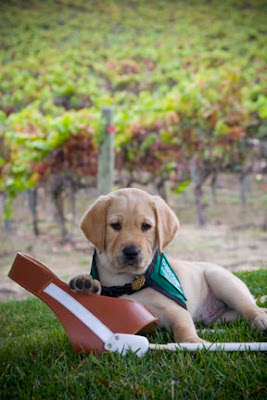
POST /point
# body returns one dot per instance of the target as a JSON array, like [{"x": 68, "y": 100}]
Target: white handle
[{"x": 123, "y": 343}]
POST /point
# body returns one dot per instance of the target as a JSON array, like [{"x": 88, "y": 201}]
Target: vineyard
[{"x": 186, "y": 81}]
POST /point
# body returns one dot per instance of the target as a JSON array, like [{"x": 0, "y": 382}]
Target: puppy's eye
[
  {"x": 116, "y": 226},
  {"x": 145, "y": 227}
]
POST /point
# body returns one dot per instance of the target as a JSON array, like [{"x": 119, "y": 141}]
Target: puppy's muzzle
[{"x": 131, "y": 254}]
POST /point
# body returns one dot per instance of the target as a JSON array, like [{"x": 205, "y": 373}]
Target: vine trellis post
[{"x": 105, "y": 177}]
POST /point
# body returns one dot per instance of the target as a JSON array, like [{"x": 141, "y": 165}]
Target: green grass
[{"x": 37, "y": 362}]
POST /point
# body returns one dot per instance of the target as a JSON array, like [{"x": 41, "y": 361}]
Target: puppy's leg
[
  {"x": 170, "y": 315},
  {"x": 85, "y": 284},
  {"x": 236, "y": 295},
  {"x": 183, "y": 327},
  {"x": 229, "y": 316}
]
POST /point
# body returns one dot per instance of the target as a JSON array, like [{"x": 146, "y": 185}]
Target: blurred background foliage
[{"x": 186, "y": 80}]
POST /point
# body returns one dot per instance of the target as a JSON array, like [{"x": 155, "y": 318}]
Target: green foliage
[
  {"x": 196, "y": 68},
  {"x": 36, "y": 142}
]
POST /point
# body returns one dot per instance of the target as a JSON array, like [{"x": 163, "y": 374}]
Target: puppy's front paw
[
  {"x": 193, "y": 339},
  {"x": 85, "y": 284},
  {"x": 261, "y": 319}
]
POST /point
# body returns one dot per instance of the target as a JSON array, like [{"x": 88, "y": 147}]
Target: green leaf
[
  {"x": 148, "y": 142},
  {"x": 221, "y": 128},
  {"x": 39, "y": 145},
  {"x": 182, "y": 186},
  {"x": 263, "y": 111}
]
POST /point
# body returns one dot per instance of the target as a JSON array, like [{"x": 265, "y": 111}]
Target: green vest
[{"x": 160, "y": 276}]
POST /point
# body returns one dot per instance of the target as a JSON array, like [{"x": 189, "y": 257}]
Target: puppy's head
[{"x": 127, "y": 227}]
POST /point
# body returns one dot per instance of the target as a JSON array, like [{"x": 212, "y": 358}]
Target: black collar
[{"x": 140, "y": 282}]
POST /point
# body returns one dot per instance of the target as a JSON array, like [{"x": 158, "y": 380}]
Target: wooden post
[
  {"x": 33, "y": 202},
  {"x": 197, "y": 180},
  {"x": 106, "y": 156},
  {"x": 7, "y": 207}
]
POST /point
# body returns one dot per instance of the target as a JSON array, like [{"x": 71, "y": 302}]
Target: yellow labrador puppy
[{"x": 129, "y": 229}]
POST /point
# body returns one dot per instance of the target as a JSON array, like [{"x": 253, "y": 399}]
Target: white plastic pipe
[
  {"x": 207, "y": 330},
  {"x": 245, "y": 346}
]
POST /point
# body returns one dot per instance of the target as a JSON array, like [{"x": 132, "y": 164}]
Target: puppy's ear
[
  {"x": 93, "y": 223},
  {"x": 167, "y": 223}
]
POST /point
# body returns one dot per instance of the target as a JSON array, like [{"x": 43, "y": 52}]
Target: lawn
[{"x": 37, "y": 361}]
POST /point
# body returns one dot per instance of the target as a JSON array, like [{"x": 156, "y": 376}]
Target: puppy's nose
[{"x": 131, "y": 252}]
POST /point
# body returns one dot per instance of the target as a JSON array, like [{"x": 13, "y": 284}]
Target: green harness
[{"x": 159, "y": 276}]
